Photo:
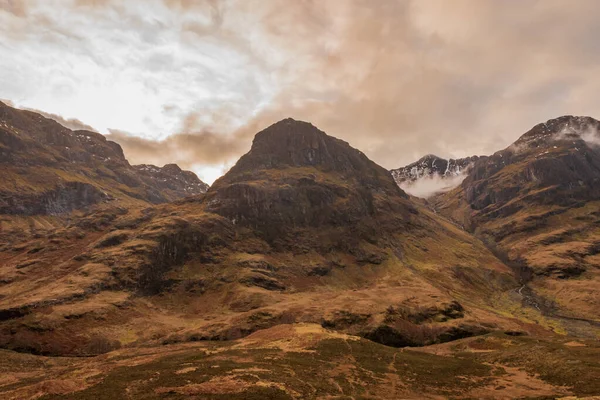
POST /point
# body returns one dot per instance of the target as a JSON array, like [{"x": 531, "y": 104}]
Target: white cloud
[
  {"x": 430, "y": 185},
  {"x": 591, "y": 136},
  {"x": 394, "y": 78}
]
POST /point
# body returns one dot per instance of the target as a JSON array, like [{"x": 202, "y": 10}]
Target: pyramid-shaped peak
[
  {"x": 296, "y": 175},
  {"x": 287, "y": 127},
  {"x": 297, "y": 143}
]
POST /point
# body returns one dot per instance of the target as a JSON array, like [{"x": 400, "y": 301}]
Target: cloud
[
  {"x": 71, "y": 123},
  {"x": 185, "y": 149},
  {"x": 591, "y": 137},
  {"x": 18, "y": 8},
  {"x": 397, "y": 79},
  {"x": 430, "y": 185},
  {"x": 588, "y": 133}
]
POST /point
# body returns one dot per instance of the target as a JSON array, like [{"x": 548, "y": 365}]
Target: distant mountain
[
  {"x": 171, "y": 180},
  {"x": 48, "y": 169},
  {"x": 432, "y": 166},
  {"x": 432, "y": 175}
]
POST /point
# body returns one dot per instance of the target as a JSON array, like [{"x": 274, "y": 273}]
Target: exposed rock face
[
  {"x": 431, "y": 166},
  {"x": 296, "y": 175},
  {"x": 172, "y": 179},
  {"x": 49, "y": 169},
  {"x": 64, "y": 199}
]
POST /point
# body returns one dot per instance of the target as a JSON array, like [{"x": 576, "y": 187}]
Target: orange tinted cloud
[{"x": 192, "y": 81}]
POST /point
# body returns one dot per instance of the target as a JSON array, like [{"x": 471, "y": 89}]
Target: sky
[{"x": 192, "y": 82}]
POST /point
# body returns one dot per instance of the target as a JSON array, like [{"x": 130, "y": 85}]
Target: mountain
[
  {"x": 49, "y": 170},
  {"x": 301, "y": 216},
  {"x": 171, "y": 180},
  {"x": 537, "y": 203},
  {"x": 297, "y": 176},
  {"x": 433, "y": 166},
  {"x": 299, "y": 274}
]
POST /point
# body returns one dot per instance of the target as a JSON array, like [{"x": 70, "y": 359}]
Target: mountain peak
[
  {"x": 288, "y": 125},
  {"x": 429, "y": 157},
  {"x": 51, "y": 169},
  {"x": 431, "y": 165},
  {"x": 288, "y": 132},
  {"x": 297, "y": 175},
  {"x": 292, "y": 143},
  {"x": 561, "y": 128}
]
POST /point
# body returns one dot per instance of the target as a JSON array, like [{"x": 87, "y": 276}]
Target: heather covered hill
[
  {"x": 307, "y": 361},
  {"x": 538, "y": 203},
  {"x": 306, "y": 254}
]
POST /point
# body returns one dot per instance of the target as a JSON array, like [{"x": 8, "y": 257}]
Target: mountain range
[
  {"x": 431, "y": 166},
  {"x": 51, "y": 170},
  {"x": 306, "y": 271}
]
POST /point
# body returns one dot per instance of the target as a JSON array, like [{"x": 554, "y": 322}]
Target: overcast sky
[{"x": 191, "y": 82}]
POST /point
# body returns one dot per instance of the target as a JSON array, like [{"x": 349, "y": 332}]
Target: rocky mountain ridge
[
  {"x": 431, "y": 166},
  {"x": 172, "y": 179},
  {"x": 301, "y": 217},
  {"x": 537, "y": 202},
  {"x": 51, "y": 170}
]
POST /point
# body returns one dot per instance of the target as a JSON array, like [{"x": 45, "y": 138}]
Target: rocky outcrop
[{"x": 61, "y": 200}]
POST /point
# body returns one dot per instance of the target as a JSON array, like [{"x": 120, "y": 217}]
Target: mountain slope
[
  {"x": 302, "y": 227},
  {"x": 537, "y": 202},
  {"x": 305, "y": 361},
  {"x": 51, "y": 170},
  {"x": 299, "y": 272},
  {"x": 173, "y": 182}
]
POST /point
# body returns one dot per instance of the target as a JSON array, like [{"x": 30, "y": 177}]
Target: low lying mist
[
  {"x": 591, "y": 137},
  {"x": 428, "y": 186},
  {"x": 590, "y": 134}
]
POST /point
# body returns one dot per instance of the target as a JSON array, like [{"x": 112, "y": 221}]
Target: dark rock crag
[{"x": 297, "y": 176}]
